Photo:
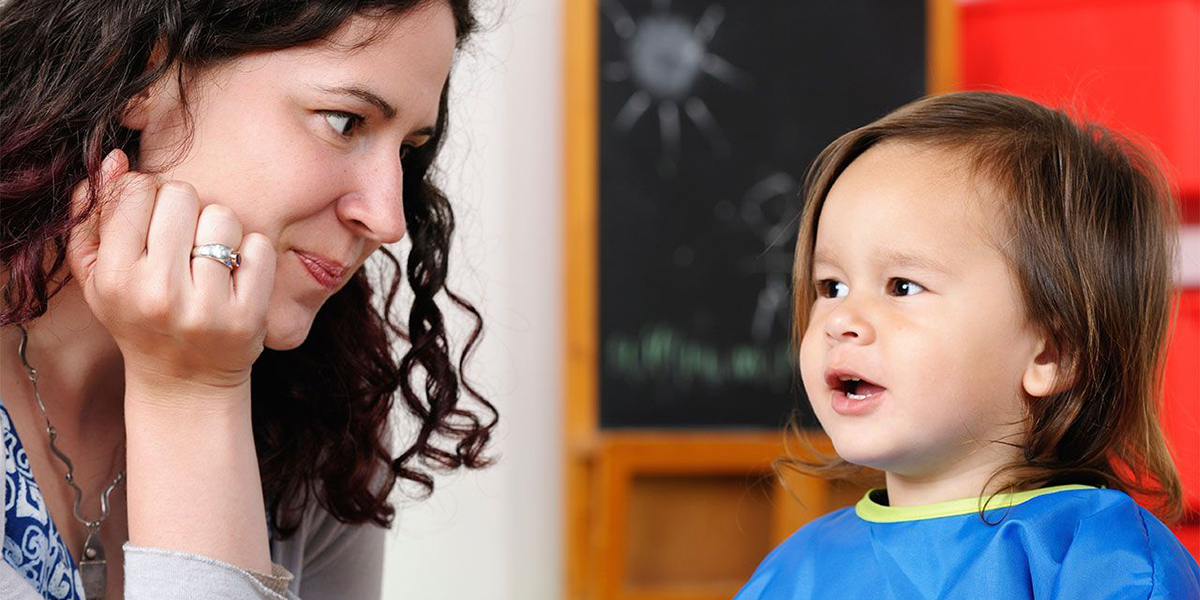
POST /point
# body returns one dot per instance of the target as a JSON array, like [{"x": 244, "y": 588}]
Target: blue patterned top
[{"x": 32, "y": 545}]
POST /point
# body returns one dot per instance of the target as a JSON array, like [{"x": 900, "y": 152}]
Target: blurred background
[{"x": 625, "y": 176}]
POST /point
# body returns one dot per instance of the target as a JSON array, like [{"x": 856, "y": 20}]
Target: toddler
[{"x": 983, "y": 292}]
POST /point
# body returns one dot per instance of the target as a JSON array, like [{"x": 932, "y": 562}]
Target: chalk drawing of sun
[{"x": 665, "y": 54}]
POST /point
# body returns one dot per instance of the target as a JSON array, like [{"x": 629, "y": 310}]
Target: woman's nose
[
  {"x": 848, "y": 323},
  {"x": 375, "y": 209}
]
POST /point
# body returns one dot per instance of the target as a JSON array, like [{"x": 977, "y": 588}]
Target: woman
[{"x": 190, "y": 190}]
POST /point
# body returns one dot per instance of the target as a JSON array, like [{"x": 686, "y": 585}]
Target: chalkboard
[{"x": 708, "y": 116}]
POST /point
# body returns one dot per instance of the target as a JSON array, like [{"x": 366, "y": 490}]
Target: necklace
[{"x": 93, "y": 566}]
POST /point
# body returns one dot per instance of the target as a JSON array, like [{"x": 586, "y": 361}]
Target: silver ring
[{"x": 220, "y": 253}]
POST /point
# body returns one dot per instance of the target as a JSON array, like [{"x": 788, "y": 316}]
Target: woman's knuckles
[
  {"x": 158, "y": 303},
  {"x": 130, "y": 187},
  {"x": 178, "y": 191},
  {"x": 220, "y": 215},
  {"x": 177, "y": 198},
  {"x": 114, "y": 284}
]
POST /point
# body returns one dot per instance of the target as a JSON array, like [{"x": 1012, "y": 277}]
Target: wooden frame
[
  {"x": 582, "y": 287},
  {"x": 599, "y": 467},
  {"x": 621, "y": 458}
]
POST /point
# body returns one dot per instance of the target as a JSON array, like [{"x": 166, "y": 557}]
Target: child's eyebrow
[
  {"x": 822, "y": 257},
  {"x": 895, "y": 258}
]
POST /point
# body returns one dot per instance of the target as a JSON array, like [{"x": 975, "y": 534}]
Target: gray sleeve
[
  {"x": 340, "y": 562},
  {"x": 156, "y": 574}
]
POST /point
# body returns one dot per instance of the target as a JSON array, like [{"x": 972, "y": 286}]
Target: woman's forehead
[
  {"x": 399, "y": 63},
  {"x": 367, "y": 28}
]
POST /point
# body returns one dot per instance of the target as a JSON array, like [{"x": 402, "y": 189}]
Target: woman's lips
[{"x": 327, "y": 272}]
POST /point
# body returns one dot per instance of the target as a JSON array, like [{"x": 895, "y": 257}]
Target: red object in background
[
  {"x": 1133, "y": 65},
  {"x": 1181, "y": 413}
]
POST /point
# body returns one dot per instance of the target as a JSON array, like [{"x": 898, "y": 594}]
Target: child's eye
[
  {"x": 406, "y": 149},
  {"x": 832, "y": 288},
  {"x": 344, "y": 123},
  {"x": 902, "y": 287}
]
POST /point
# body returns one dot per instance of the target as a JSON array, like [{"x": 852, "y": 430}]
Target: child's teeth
[{"x": 854, "y": 396}]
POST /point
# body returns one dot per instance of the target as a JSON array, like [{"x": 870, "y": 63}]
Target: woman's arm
[
  {"x": 193, "y": 474},
  {"x": 189, "y": 330}
]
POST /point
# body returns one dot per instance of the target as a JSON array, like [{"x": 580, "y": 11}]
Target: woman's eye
[
  {"x": 903, "y": 287},
  {"x": 832, "y": 288},
  {"x": 343, "y": 123}
]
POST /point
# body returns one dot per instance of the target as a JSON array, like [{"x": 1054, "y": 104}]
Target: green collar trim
[{"x": 869, "y": 510}]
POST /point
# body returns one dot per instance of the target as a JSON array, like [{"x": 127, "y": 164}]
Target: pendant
[{"x": 93, "y": 567}]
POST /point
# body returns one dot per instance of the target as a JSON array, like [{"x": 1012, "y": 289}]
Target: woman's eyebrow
[
  {"x": 363, "y": 94},
  {"x": 370, "y": 97}
]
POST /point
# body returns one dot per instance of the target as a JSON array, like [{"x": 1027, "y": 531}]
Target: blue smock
[{"x": 1063, "y": 543}]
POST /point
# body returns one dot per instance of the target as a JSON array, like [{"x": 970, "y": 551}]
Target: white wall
[{"x": 496, "y": 534}]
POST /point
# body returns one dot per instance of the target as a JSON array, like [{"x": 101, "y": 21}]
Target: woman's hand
[
  {"x": 180, "y": 322},
  {"x": 189, "y": 331}
]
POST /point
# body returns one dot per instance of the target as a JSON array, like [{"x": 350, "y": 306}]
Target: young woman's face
[
  {"x": 305, "y": 146},
  {"x": 915, "y": 298}
]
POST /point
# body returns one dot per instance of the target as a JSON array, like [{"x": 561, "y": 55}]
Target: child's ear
[{"x": 1048, "y": 372}]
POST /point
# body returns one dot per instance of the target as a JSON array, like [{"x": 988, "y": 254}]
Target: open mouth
[
  {"x": 858, "y": 389},
  {"x": 852, "y": 395}
]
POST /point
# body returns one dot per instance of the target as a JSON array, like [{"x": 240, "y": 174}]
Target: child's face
[{"x": 914, "y": 298}]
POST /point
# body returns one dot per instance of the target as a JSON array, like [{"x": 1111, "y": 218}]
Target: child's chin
[{"x": 862, "y": 453}]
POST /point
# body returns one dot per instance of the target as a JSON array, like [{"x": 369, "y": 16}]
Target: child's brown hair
[{"x": 1093, "y": 239}]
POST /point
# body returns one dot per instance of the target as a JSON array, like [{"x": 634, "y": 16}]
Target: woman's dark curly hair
[{"x": 322, "y": 410}]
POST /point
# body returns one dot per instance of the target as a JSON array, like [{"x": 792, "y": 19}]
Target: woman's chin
[
  {"x": 287, "y": 331},
  {"x": 283, "y": 343}
]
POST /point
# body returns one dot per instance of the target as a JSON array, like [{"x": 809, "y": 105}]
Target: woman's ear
[
  {"x": 137, "y": 112},
  {"x": 1047, "y": 372},
  {"x": 136, "y": 115}
]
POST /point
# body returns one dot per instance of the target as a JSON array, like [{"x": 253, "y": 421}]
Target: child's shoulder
[{"x": 1114, "y": 534}]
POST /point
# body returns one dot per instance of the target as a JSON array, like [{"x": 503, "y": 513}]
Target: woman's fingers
[
  {"x": 172, "y": 314},
  {"x": 128, "y": 203},
  {"x": 254, "y": 280},
  {"x": 172, "y": 229},
  {"x": 85, "y": 237},
  {"x": 211, "y": 279}
]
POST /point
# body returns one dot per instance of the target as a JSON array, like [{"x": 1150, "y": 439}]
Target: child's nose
[{"x": 847, "y": 323}]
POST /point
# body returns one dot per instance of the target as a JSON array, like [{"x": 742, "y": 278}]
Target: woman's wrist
[
  {"x": 169, "y": 395},
  {"x": 194, "y": 483}
]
